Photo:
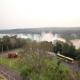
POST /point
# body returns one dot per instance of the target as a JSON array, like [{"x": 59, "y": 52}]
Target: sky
[{"x": 39, "y": 13}]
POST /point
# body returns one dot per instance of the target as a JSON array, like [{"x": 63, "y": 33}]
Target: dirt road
[{"x": 9, "y": 74}]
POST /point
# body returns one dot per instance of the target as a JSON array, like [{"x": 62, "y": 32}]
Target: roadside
[
  {"x": 2, "y": 77},
  {"x": 9, "y": 74}
]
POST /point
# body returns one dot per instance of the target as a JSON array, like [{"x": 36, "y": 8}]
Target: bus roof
[{"x": 65, "y": 56}]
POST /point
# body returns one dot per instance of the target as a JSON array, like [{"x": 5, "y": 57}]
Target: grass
[
  {"x": 47, "y": 70},
  {"x": 14, "y": 63},
  {"x": 11, "y": 63}
]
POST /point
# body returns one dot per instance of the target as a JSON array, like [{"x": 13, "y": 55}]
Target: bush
[{"x": 25, "y": 72}]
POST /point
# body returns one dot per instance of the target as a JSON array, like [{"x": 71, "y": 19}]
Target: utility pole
[
  {"x": 2, "y": 49},
  {"x": 2, "y": 45}
]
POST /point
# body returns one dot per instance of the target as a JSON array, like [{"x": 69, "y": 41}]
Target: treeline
[
  {"x": 7, "y": 43},
  {"x": 67, "y": 49}
]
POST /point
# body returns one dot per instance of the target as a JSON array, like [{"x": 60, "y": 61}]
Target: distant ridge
[{"x": 40, "y": 30}]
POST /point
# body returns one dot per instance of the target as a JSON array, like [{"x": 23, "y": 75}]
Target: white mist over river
[
  {"x": 44, "y": 37},
  {"x": 38, "y": 37}
]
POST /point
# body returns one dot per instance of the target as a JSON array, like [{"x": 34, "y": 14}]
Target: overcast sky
[{"x": 39, "y": 13}]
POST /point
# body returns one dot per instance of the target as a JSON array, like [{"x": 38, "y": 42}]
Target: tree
[
  {"x": 66, "y": 49},
  {"x": 58, "y": 47},
  {"x": 6, "y": 42},
  {"x": 69, "y": 50}
]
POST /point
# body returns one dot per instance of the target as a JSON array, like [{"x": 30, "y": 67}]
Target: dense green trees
[
  {"x": 58, "y": 47},
  {"x": 69, "y": 50},
  {"x": 8, "y": 43},
  {"x": 66, "y": 49}
]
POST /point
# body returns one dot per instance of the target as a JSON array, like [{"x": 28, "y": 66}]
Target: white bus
[{"x": 65, "y": 58}]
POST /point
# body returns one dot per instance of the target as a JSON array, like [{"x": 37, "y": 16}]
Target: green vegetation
[
  {"x": 8, "y": 43},
  {"x": 34, "y": 62},
  {"x": 35, "y": 68},
  {"x": 66, "y": 49}
]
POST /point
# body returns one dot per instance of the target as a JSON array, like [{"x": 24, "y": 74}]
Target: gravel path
[{"x": 9, "y": 74}]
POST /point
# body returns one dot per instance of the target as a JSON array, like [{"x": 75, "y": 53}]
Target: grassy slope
[
  {"x": 45, "y": 73},
  {"x": 15, "y": 65}
]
